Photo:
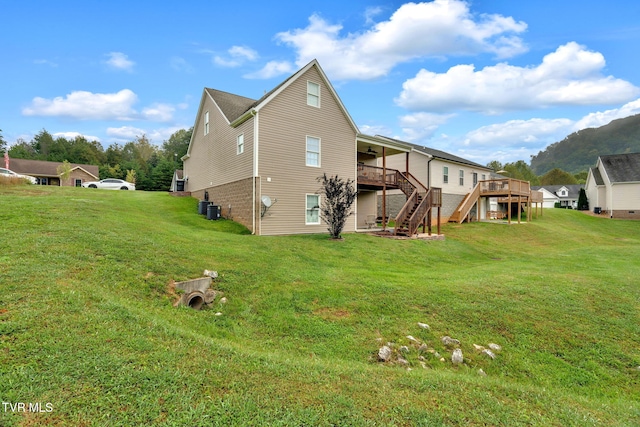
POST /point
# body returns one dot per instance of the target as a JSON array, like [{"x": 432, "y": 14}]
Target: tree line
[
  {"x": 151, "y": 166},
  {"x": 522, "y": 171}
]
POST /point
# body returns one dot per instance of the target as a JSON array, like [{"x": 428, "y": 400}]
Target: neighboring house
[
  {"x": 177, "y": 182},
  {"x": 613, "y": 185},
  {"x": 434, "y": 168},
  {"x": 260, "y": 160},
  {"x": 565, "y": 195},
  {"x": 46, "y": 173}
]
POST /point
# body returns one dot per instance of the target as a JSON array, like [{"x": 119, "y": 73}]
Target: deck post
[
  {"x": 509, "y": 207},
  {"x": 438, "y": 220},
  {"x": 384, "y": 189},
  {"x": 519, "y": 207}
]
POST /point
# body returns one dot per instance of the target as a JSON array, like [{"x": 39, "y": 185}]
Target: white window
[
  {"x": 461, "y": 177},
  {"x": 313, "y": 94},
  {"x": 240, "y": 143},
  {"x": 445, "y": 174},
  {"x": 206, "y": 123},
  {"x": 313, "y": 209},
  {"x": 313, "y": 151}
]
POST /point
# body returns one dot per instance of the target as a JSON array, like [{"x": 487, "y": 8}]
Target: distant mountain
[{"x": 580, "y": 150}]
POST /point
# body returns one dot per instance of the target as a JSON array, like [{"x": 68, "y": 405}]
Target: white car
[
  {"x": 11, "y": 174},
  {"x": 110, "y": 184}
]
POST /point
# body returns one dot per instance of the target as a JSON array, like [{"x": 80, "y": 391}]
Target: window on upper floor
[
  {"x": 445, "y": 174},
  {"x": 313, "y": 209},
  {"x": 206, "y": 123},
  {"x": 240, "y": 144},
  {"x": 313, "y": 151},
  {"x": 313, "y": 94},
  {"x": 461, "y": 177}
]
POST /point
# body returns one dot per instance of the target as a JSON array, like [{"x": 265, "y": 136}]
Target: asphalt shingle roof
[{"x": 622, "y": 167}]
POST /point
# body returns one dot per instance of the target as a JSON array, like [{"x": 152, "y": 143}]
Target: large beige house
[
  {"x": 260, "y": 160},
  {"x": 613, "y": 185}
]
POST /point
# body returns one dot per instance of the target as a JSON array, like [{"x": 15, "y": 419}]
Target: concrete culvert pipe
[{"x": 195, "y": 300}]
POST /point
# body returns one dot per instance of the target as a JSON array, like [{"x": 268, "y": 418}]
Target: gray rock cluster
[{"x": 414, "y": 349}]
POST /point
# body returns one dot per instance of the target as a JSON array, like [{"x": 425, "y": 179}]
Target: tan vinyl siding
[
  {"x": 217, "y": 151},
  {"x": 626, "y": 196},
  {"x": 285, "y": 122}
]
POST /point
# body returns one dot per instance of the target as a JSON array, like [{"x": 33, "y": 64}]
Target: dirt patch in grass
[{"x": 329, "y": 313}]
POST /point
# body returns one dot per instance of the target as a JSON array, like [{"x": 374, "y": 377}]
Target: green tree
[
  {"x": 3, "y": 143},
  {"x": 495, "y": 165},
  {"x": 338, "y": 198},
  {"x": 22, "y": 150},
  {"x": 64, "y": 171},
  {"x": 520, "y": 170},
  {"x": 557, "y": 177},
  {"x": 176, "y": 146},
  {"x": 583, "y": 201}
]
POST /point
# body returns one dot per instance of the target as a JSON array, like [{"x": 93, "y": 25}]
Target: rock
[
  {"x": 450, "y": 341},
  {"x": 436, "y": 355},
  {"x": 495, "y": 347},
  {"x": 384, "y": 354},
  {"x": 489, "y": 353},
  {"x": 212, "y": 274},
  {"x": 403, "y": 362},
  {"x": 442, "y": 359},
  {"x": 424, "y": 365},
  {"x": 482, "y": 373},
  {"x": 424, "y": 326},
  {"x": 421, "y": 358},
  {"x": 410, "y": 338},
  {"x": 209, "y": 296},
  {"x": 223, "y": 300},
  {"x": 423, "y": 348},
  {"x": 218, "y": 314},
  {"x": 404, "y": 349},
  {"x": 456, "y": 357},
  {"x": 478, "y": 347}
]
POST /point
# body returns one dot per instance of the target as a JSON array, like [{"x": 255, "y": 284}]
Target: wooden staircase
[
  {"x": 464, "y": 208},
  {"x": 417, "y": 209}
]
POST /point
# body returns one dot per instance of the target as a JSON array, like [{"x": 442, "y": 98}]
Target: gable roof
[
  {"x": 232, "y": 106},
  {"x": 438, "y": 154},
  {"x": 45, "y": 168},
  {"x": 238, "y": 109},
  {"x": 573, "y": 190},
  {"x": 622, "y": 167},
  {"x": 597, "y": 176}
]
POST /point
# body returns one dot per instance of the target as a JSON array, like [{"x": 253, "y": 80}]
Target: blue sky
[{"x": 482, "y": 79}]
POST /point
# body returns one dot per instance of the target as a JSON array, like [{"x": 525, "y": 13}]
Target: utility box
[
  {"x": 597, "y": 210},
  {"x": 213, "y": 211},
  {"x": 202, "y": 207}
]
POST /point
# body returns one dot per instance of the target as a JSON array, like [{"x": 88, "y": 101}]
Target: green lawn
[{"x": 88, "y": 326}]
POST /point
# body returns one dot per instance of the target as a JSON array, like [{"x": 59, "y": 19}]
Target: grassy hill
[
  {"x": 580, "y": 150},
  {"x": 88, "y": 326}
]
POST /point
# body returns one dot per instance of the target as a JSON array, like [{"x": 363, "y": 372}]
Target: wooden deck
[{"x": 506, "y": 190}]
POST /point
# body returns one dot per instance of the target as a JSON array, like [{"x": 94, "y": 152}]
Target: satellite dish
[{"x": 266, "y": 200}]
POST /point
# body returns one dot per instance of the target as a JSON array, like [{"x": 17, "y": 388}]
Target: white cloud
[
  {"x": 119, "y": 61},
  {"x": 271, "y": 69},
  {"x": 519, "y": 133},
  {"x": 237, "y": 56},
  {"x": 571, "y": 75},
  {"x": 46, "y": 62},
  {"x": 126, "y": 134},
  {"x": 601, "y": 118},
  {"x": 375, "y": 130},
  {"x": 370, "y": 13},
  {"x": 74, "y": 135},
  {"x": 415, "y": 30},
  {"x": 180, "y": 64},
  {"x": 84, "y": 105},
  {"x": 420, "y": 126},
  {"x": 159, "y": 112}
]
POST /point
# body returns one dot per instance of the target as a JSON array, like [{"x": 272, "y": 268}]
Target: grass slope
[{"x": 87, "y": 323}]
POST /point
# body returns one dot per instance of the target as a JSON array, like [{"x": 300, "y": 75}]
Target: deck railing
[
  {"x": 375, "y": 175},
  {"x": 504, "y": 186}
]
